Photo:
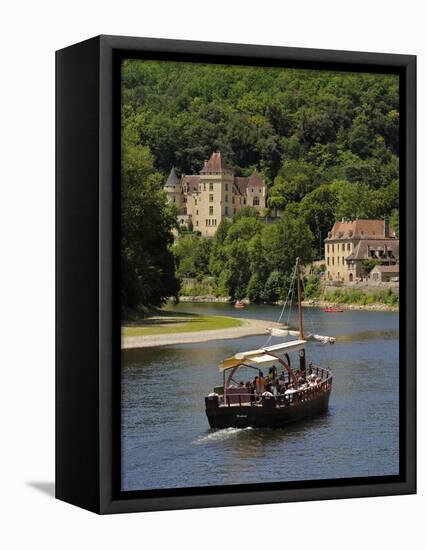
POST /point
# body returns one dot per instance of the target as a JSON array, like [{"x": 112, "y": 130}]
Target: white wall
[{"x": 30, "y": 32}]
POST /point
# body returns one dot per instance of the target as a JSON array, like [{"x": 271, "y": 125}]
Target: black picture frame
[{"x": 87, "y": 308}]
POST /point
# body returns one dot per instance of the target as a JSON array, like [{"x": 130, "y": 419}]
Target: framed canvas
[{"x": 236, "y": 274}]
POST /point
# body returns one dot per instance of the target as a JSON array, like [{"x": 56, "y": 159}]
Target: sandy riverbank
[{"x": 249, "y": 327}]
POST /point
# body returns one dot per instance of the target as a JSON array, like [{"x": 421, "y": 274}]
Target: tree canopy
[{"x": 326, "y": 143}]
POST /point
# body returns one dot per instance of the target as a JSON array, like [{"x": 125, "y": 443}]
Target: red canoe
[{"x": 333, "y": 310}]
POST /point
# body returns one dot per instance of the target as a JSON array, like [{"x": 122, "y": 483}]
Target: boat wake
[{"x": 221, "y": 435}]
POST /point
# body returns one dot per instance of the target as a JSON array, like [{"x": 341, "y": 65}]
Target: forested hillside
[{"x": 326, "y": 143}]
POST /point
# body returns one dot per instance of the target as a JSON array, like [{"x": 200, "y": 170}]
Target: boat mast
[{"x": 299, "y": 298}]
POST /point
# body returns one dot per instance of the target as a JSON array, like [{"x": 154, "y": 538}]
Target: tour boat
[
  {"x": 333, "y": 310},
  {"x": 239, "y": 305},
  {"x": 296, "y": 394}
]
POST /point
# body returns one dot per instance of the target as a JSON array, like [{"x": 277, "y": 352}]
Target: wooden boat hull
[{"x": 268, "y": 415}]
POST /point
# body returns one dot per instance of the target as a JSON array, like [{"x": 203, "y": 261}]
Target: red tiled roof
[
  {"x": 192, "y": 182},
  {"x": 255, "y": 180},
  {"x": 360, "y": 229},
  {"x": 241, "y": 184},
  {"x": 215, "y": 165}
]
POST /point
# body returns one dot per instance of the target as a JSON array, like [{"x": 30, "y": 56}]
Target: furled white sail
[{"x": 308, "y": 336}]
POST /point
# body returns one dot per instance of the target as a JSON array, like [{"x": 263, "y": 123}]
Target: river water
[{"x": 166, "y": 439}]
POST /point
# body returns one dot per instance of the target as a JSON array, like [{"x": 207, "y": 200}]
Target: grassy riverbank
[
  {"x": 171, "y": 323},
  {"x": 355, "y": 297}
]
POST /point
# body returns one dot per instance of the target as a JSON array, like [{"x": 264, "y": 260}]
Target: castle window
[
  {"x": 343, "y": 247},
  {"x": 256, "y": 201},
  {"x": 328, "y": 261},
  {"x": 210, "y": 187},
  {"x": 210, "y": 210},
  {"x": 195, "y": 201},
  {"x": 211, "y": 198},
  {"x": 332, "y": 248},
  {"x": 343, "y": 260},
  {"x": 332, "y": 260},
  {"x": 245, "y": 202},
  {"x": 185, "y": 210},
  {"x": 226, "y": 198},
  {"x": 196, "y": 223},
  {"x": 204, "y": 186},
  {"x": 233, "y": 199},
  {"x": 185, "y": 199},
  {"x": 226, "y": 187},
  {"x": 338, "y": 260},
  {"x": 197, "y": 212},
  {"x": 226, "y": 210}
]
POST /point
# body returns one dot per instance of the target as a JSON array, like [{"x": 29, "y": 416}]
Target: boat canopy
[{"x": 261, "y": 357}]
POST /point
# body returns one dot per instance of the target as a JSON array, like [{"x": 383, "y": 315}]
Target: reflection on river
[{"x": 166, "y": 440}]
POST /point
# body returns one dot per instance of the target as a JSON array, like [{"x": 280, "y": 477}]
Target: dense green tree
[
  {"x": 147, "y": 265},
  {"x": 255, "y": 288},
  {"x": 286, "y": 240},
  {"x": 326, "y": 143},
  {"x": 274, "y": 287}
]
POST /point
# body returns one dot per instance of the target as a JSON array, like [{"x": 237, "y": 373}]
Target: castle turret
[{"x": 173, "y": 188}]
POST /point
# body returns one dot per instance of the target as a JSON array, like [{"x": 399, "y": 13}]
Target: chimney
[{"x": 386, "y": 228}]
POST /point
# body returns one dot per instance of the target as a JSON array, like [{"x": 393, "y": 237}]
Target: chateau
[
  {"x": 350, "y": 243},
  {"x": 205, "y": 199}
]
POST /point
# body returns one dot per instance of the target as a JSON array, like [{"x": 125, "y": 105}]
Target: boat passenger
[
  {"x": 261, "y": 383},
  {"x": 272, "y": 372}
]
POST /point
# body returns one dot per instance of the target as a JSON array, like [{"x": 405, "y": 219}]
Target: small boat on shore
[
  {"x": 239, "y": 305},
  {"x": 333, "y": 310},
  {"x": 277, "y": 399}
]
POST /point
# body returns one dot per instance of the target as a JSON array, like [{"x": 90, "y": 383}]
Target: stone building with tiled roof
[
  {"x": 351, "y": 242},
  {"x": 385, "y": 273},
  {"x": 205, "y": 199}
]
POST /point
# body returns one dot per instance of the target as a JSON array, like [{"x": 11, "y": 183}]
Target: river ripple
[{"x": 166, "y": 440}]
